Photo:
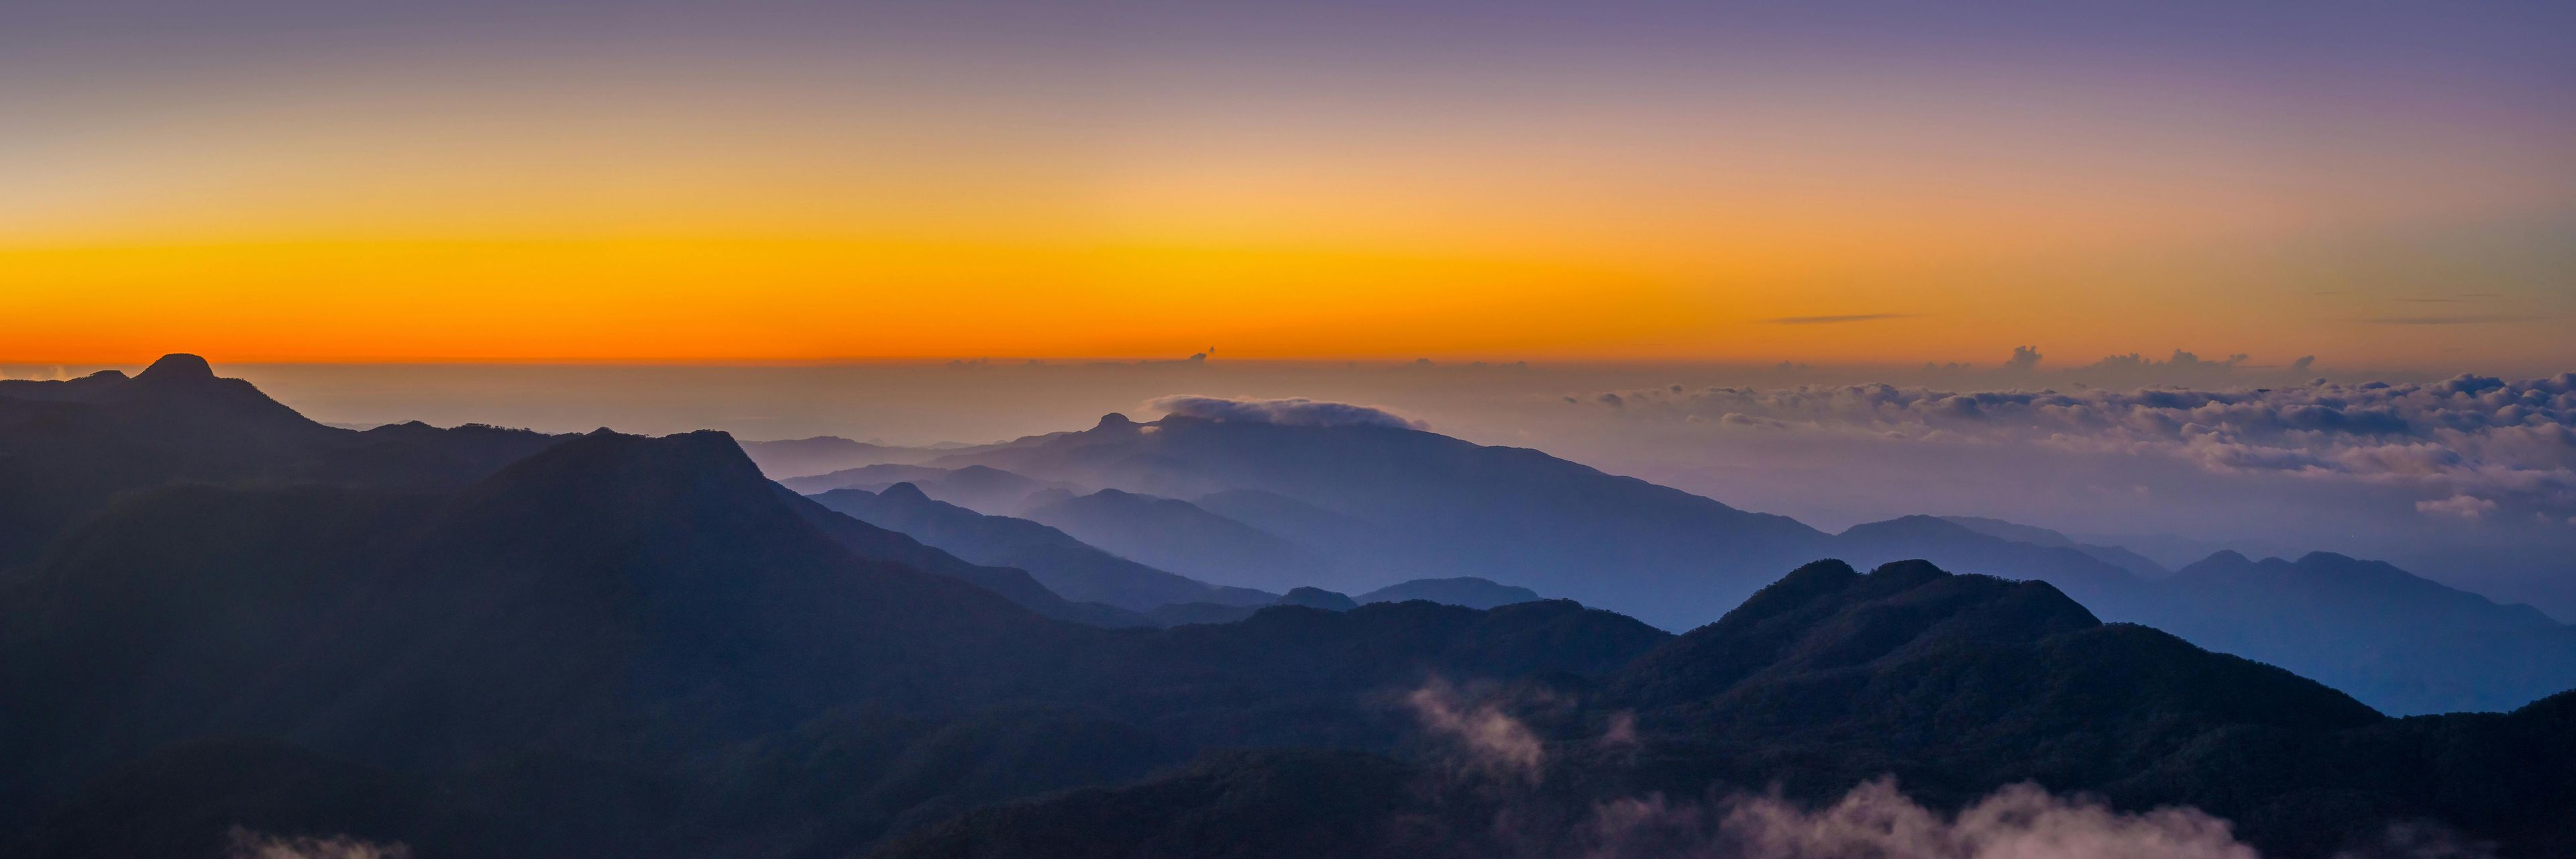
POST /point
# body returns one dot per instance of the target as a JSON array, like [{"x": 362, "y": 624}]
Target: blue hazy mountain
[
  {"x": 1451, "y": 508},
  {"x": 1466, "y": 590},
  {"x": 1413, "y": 504},
  {"x": 1065, "y": 565},
  {"x": 1182, "y": 537}
]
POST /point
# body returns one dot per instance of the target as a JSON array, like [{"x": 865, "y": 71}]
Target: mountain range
[
  {"x": 1379, "y": 504},
  {"x": 486, "y": 642}
]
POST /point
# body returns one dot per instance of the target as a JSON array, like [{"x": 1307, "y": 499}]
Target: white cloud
[
  {"x": 2463, "y": 506},
  {"x": 1295, "y": 411},
  {"x": 245, "y": 844}
]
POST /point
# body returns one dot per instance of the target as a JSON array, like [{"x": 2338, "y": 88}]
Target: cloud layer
[
  {"x": 1294, "y": 411},
  {"x": 2463, "y": 443}
]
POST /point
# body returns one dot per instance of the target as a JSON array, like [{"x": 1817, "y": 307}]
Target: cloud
[
  {"x": 2463, "y": 506},
  {"x": 2438, "y": 320},
  {"x": 1832, "y": 320},
  {"x": 1876, "y": 820},
  {"x": 1295, "y": 411},
  {"x": 245, "y": 844},
  {"x": 2467, "y": 444},
  {"x": 1493, "y": 741}
]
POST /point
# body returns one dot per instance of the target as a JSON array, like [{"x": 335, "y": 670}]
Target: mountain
[
  {"x": 67, "y": 447},
  {"x": 630, "y": 645},
  {"x": 803, "y": 457},
  {"x": 1387, "y": 503},
  {"x": 874, "y": 543},
  {"x": 2371, "y": 629},
  {"x": 1176, "y": 535},
  {"x": 1959, "y": 685},
  {"x": 975, "y": 487},
  {"x": 2116, "y": 556},
  {"x": 1063, "y": 564},
  {"x": 1452, "y": 508},
  {"x": 2402, "y": 643},
  {"x": 1467, "y": 591},
  {"x": 617, "y": 645},
  {"x": 2103, "y": 586},
  {"x": 872, "y": 478}
]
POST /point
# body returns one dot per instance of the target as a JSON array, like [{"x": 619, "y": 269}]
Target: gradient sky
[{"x": 2382, "y": 185}]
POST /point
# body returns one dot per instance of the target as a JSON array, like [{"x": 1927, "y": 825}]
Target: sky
[{"x": 2380, "y": 185}]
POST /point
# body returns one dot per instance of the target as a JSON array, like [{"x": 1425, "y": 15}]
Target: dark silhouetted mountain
[
  {"x": 649, "y": 642},
  {"x": 2137, "y": 564},
  {"x": 1178, "y": 536},
  {"x": 1318, "y": 598},
  {"x": 805, "y": 457},
  {"x": 67, "y": 447},
  {"x": 1454, "y": 508},
  {"x": 1250, "y": 805},
  {"x": 1470, "y": 592},
  {"x": 1958, "y": 685},
  {"x": 1065, "y": 565}
]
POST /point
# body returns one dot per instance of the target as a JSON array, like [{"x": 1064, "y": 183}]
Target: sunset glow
[{"x": 1665, "y": 185}]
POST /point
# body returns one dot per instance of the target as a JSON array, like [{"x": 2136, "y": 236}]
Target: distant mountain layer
[
  {"x": 1386, "y": 504},
  {"x": 1065, "y": 565},
  {"x": 804, "y": 457},
  {"x": 1179, "y": 536},
  {"x": 1445, "y": 508},
  {"x": 2116, "y": 556},
  {"x": 1467, "y": 591}
]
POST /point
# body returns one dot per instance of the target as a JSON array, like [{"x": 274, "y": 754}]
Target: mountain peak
[
  {"x": 905, "y": 492},
  {"x": 1115, "y": 421},
  {"x": 177, "y": 367}
]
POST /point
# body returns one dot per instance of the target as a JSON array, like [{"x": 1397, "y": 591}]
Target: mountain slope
[
  {"x": 1065, "y": 565},
  {"x": 2372, "y": 629},
  {"x": 1176, "y": 535},
  {"x": 1959, "y": 685},
  {"x": 1469, "y": 592},
  {"x": 1460, "y": 509},
  {"x": 67, "y": 447}
]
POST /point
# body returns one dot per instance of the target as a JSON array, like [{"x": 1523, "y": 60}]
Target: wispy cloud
[
  {"x": 2438, "y": 320},
  {"x": 1834, "y": 320}
]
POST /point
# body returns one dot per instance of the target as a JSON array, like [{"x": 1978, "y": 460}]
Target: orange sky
[{"x": 778, "y": 199}]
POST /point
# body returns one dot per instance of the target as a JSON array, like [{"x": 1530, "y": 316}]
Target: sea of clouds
[{"x": 2469, "y": 445}]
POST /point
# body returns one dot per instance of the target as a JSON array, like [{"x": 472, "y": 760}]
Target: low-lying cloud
[
  {"x": 2462, "y": 443},
  {"x": 245, "y": 844},
  {"x": 1491, "y": 740},
  {"x": 1294, "y": 411},
  {"x": 1877, "y": 820}
]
